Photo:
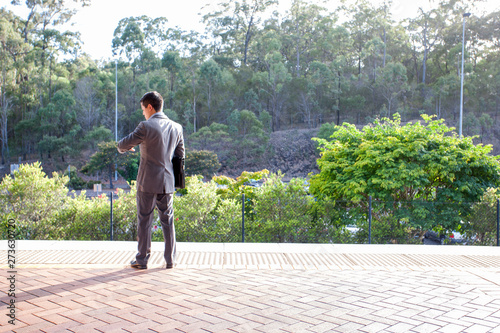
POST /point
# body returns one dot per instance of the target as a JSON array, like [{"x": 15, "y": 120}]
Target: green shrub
[
  {"x": 75, "y": 182},
  {"x": 125, "y": 214},
  {"x": 33, "y": 200},
  {"x": 282, "y": 212},
  {"x": 201, "y": 162},
  {"x": 90, "y": 184},
  {"x": 480, "y": 226},
  {"x": 85, "y": 219},
  {"x": 202, "y": 216}
]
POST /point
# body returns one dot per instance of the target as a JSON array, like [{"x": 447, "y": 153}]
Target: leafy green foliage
[
  {"x": 75, "y": 182},
  {"x": 233, "y": 188},
  {"x": 201, "y": 162},
  {"x": 107, "y": 156},
  {"x": 250, "y": 137},
  {"x": 275, "y": 212},
  {"x": 201, "y": 215},
  {"x": 394, "y": 163},
  {"x": 216, "y": 138},
  {"x": 480, "y": 225},
  {"x": 96, "y": 135},
  {"x": 209, "y": 212},
  {"x": 33, "y": 200}
]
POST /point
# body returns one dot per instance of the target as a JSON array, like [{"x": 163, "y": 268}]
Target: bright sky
[{"x": 98, "y": 22}]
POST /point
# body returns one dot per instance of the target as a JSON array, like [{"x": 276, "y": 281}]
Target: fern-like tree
[{"x": 423, "y": 173}]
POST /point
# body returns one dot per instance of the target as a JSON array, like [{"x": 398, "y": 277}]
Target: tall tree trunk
[
  {"x": 247, "y": 40},
  {"x": 385, "y": 46}
]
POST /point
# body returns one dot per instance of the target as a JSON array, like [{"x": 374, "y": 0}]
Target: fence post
[
  {"x": 111, "y": 215},
  {"x": 370, "y": 220},
  {"x": 243, "y": 218},
  {"x": 498, "y": 222}
]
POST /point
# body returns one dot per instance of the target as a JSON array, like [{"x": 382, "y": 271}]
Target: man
[{"x": 160, "y": 139}]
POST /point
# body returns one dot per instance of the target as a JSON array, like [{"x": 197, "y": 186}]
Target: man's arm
[
  {"x": 179, "y": 150},
  {"x": 133, "y": 139}
]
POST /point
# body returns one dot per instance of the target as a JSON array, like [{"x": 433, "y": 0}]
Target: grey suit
[{"x": 160, "y": 139}]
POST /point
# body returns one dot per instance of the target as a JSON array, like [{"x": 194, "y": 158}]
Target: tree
[
  {"x": 46, "y": 13},
  {"x": 362, "y": 28},
  {"x": 249, "y": 135},
  {"x": 202, "y": 162},
  {"x": 391, "y": 81},
  {"x": 107, "y": 157},
  {"x": 173, "y": 63},
  {"x": 411, "y": 163},
  {"x": 234, "y": 23},
  {"x": 427, "y": 27},
  {"x": 87, "y": 103},
  {"x": 133, "y": 35},
  {"x": 97, "y": 135},
  {"x": 12, "y": 51},
  {"x": 211, "y": 76},
  {"x": 272, "y": 81},
  {"x": 215, "y": 138},
  {"x": 300, "y": 30}
]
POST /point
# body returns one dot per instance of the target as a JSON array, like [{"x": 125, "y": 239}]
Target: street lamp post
[
  {"x": 116, "y": 110},
  {"x": 462, "y": 78}
]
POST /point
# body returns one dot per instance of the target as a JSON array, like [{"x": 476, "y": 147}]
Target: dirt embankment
[{"x": 291, "y": 151}]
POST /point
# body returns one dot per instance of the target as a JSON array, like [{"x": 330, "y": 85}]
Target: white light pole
[
  {"x": 116, "y": 111},
  {"x": 462, "y": 79}
]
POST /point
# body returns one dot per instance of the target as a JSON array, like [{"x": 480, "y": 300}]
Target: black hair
[{"x": 154, "y": 99}]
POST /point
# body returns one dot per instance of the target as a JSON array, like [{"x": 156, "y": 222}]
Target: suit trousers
[{"x": 146, "y": 203}]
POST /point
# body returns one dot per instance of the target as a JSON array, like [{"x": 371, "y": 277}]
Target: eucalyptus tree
[
  {"x": 363, "y": 27},
  {"x": 234, "y": 24},
  {"x": 12, "y": 54},
  {"x": 87, "y": 103},
  {"x": 133, "y": 35},
  {"x": 210, "y": 77},
  {"x": 426, "y": 31},
  {"x": 172, "y": 62},
  {"x": 40, "y": 29},
  {"x": 391, "y": 81},
  {"x": 273, "y": 79},
  {"x": 445, "y": 94},
  {"x": 39, "y": 69},
  {"x": 300, "y": 30}
]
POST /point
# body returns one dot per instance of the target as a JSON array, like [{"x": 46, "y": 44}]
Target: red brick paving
[{"x": 225, "y": 300}]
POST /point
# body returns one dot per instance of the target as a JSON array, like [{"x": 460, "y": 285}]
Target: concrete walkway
[{"x": 66, "y": 286}]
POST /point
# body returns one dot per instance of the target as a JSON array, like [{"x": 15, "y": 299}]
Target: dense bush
[
  {"x": 406, "y": 167},
  {"x": 480, "y": 225},
  {"x": 33, "y": 200},
  {"x": 202, "y": 215},
  {"x": 275, "y": 211},
  {"x": 201, "y": 162}
]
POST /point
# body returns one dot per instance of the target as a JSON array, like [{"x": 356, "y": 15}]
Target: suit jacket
[{"x": 160, "y": 139}]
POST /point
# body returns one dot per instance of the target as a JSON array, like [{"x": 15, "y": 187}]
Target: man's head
[{"x": 151, "y": 103}]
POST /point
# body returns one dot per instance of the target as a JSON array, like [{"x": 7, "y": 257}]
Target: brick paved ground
[{"x": 394, "y": 298}]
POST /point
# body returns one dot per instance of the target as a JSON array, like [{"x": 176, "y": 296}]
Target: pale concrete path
[{"x": 87, "y": 287}]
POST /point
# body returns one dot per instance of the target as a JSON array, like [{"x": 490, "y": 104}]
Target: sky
[{"x": 97, "y": 22}]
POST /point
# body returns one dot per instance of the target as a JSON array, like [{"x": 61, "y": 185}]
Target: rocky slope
[{"x": 291, "y": 151}]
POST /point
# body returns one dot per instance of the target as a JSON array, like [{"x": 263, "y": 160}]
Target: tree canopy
[
  {"x": 395, "y": 163},
  {"x": 291, "y": 70}
]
